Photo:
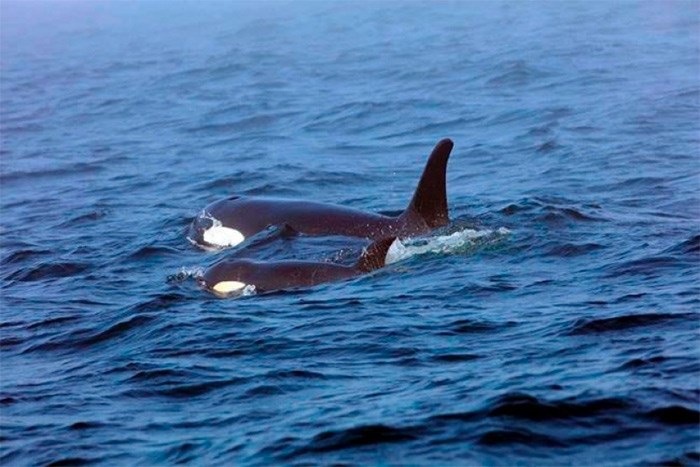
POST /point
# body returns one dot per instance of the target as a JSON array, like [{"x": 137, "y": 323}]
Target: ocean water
[{"x": 554, "y": 321}]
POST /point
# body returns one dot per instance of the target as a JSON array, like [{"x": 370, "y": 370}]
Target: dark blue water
[{"x": 569, "y": 338}]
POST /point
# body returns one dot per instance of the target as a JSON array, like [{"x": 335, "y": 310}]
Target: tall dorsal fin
[
  {"x": 374, "y": 256},
  {"x": 430, "y": 197}
]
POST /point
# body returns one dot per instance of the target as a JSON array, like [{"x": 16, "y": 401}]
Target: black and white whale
[
  {"x": 228, "y": 222},
  {"x": 235, "y": 276}
]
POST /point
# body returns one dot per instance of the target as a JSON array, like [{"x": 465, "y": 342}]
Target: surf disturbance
[{"x": 460, "y": 242}]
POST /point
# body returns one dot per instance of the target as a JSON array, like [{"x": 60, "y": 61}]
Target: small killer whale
[
  {"x": 234, "y": 276},
  {"x": 228, "y": 222}
]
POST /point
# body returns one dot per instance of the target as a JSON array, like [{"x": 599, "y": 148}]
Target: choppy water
[{"x": 554, "y": 321}]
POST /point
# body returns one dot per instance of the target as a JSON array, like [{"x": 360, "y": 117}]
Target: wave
[
  {"x": 688, "y": 458},
  {"x": 70, "y": 461},
  {"x": 199, "y": 389},
  {"x": 79, "y": 426},
  {"x": 454, "y": 358},
  {"x": 566, "y": 250},
  {"x": 150, "y": 251},
  {"x": 621, "y": 323},
  {"x": 648, "y": 266},
  {"x": 675, "y": 415},
  {"x": 524, "y": 406},
  {"x": 516, "y": 73},
  {"x": 87, "y": 337},
  {"x": 357, "y": 436},
  {"x": 160, "y": 302},
  {"x": 50, "y": 270},
  {"x": 510, "y": 419},
  {"x": 85, "y": 218},
  {"x": 687, "y": 247},
  {"x": 518, "y": 436},
  {"x": 553, "y": 210},
  {"x": 59, "y": 172},
  {"x": 469, "y": 326},
  {"x": 22, "y": 255}
]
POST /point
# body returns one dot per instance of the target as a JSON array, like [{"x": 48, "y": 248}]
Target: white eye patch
[
  {"x": 223, "y": 236},
  {"x": 228, "y": 286}
]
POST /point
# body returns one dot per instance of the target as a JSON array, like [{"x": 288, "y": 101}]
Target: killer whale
[
  {"x": 234, "y": 276},
  {"x": 229, "y": 222}
]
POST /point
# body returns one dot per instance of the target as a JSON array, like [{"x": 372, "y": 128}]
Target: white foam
[
  {"x": 396, "y": 252},
  {"x": 455, "y": 243},
  {"x": 184, "y": 273},
  {"x": 248, "y": 290}
]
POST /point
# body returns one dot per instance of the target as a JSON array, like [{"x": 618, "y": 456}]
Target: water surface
[{"x": 569, "y": 337}]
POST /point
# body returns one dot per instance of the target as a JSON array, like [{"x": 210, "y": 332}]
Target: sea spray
[{"x": 455, "y": 243}]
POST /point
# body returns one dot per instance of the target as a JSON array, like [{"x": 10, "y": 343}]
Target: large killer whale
[
  {"x": 228, "y": 222},
  {"x": 235, "y": 276}
]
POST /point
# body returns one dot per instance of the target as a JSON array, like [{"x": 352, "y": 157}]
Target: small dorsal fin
[
  {"x": 374, "y": 256},
  {"x": 286, "y": 231},
  {"x": 430, "y": 198}
]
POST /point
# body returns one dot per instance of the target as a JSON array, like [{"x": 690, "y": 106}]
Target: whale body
[
  {"x": 233, "y": 276},
  {"x": 229, "y": 222}
]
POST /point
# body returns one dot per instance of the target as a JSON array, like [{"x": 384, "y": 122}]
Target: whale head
[
  {"x": 228, "y": 277},
  {"x": 208, "y": 232}
]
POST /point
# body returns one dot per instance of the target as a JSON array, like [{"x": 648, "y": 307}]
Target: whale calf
[
  {"x": 235, "y": 276},
  {"x": 229, "y": 222}
]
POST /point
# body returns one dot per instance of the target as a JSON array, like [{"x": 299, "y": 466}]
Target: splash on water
[
  {"x": 458, "y": 242},
  {"x": 186, "y": 273}
]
